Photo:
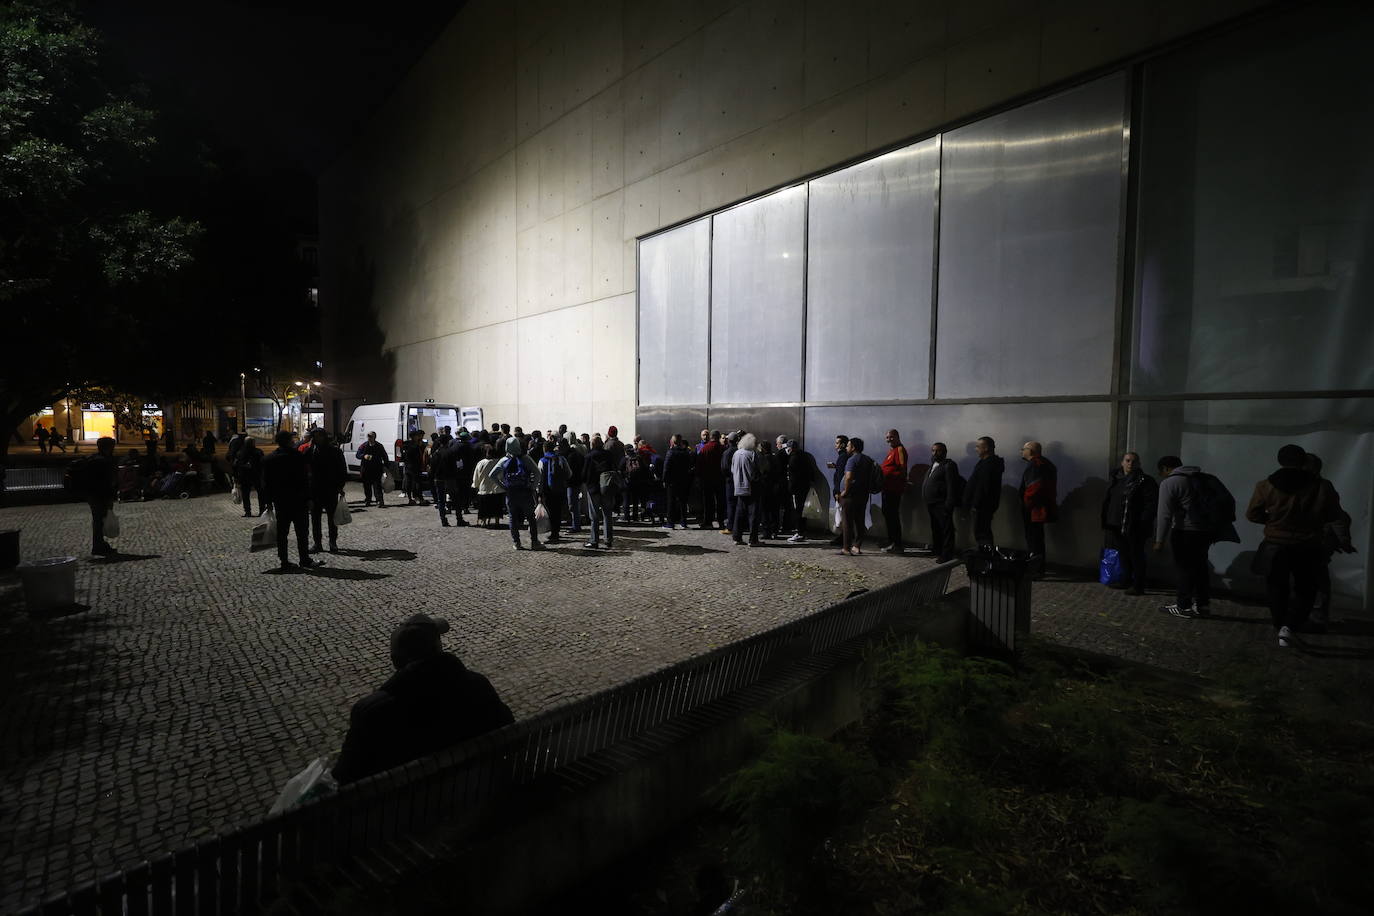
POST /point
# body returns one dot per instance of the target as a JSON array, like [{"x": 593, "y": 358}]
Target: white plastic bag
[
  {"x": 111, "y": 527},
  {"x": 839, "y": 518},
  {"x": 541, "y": 513},
  {"x": 298, "y": 786},
  {"x": 342, "y": 514},
  {"x": 265, "y": 534},
  {"x": 236, "y": 495}
]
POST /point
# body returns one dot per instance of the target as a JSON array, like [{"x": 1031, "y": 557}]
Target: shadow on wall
[{"x": 360, "y": 369}]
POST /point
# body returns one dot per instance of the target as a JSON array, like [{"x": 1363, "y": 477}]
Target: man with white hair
[{"x": 744, "y": 473}]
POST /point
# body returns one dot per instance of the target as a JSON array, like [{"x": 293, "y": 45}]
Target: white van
[{"x": 393, "y": 423}]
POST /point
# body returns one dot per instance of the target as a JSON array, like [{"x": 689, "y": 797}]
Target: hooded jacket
[
  {"x": 678, "y": 465},
  {"x": 1176, "y": 508},
  {"x": 424, "y": 707},
  {"x": 515, "y": 455},
  {"x": 744, "y": 466},
  {"x": 1294, "y": 506}
]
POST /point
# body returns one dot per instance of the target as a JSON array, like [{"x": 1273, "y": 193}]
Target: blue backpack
[
  {"x": 556, "y": 473},
  {"x": 517, "y": 474}
]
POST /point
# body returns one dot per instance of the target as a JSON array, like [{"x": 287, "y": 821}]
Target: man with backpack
[
  {"x": 1195, "y": 511},
  {"x": 518, "y": 474},
  {"x": 941, "y": 491},
  {"x": 1295, "y": 505},
  {"x": 554, "y": 474}
]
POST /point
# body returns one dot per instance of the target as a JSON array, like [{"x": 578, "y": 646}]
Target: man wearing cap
[{"x": 432, "y": 702}]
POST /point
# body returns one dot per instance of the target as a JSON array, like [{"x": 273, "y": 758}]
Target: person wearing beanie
[
  {"x": 519, "y": 477},
  {"x": 432, "y": 702}
]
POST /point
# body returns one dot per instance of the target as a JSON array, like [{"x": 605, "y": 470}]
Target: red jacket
[{"x": 1038, "y": 490}]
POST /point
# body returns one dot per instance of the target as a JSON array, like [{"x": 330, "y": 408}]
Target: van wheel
[{"x": 184, "y": 494}]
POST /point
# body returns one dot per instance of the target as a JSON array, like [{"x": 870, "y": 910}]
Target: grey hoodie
[
  {"x": 744, "y": 466},
  {"x": 1176, "y": 510}
]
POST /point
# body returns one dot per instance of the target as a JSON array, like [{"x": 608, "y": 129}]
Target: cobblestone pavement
[{"x": 198, "y": 679}]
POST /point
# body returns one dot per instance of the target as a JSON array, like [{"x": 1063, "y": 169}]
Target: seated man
[{"x": 430, "y": 703}]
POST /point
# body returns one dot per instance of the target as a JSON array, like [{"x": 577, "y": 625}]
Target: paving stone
[{"x": 198, "y": 680}]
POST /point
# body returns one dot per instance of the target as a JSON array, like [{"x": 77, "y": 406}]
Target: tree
[{"x": 86, "y": 265}]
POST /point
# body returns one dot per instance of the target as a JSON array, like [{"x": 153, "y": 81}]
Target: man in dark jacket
[
  {"x": 678, "y": 464},
  {"x": 285, "y": 485},
  {"x": 940, "y": 491},
  {"x": 800, "y": 471},
  {"x": 1039, "y": 503},
  {"x": 727, "y": 463},
  {"x": 443, "y": 461},
  {"x": 983, "y": 493},
  {"x": 328, "y": 474},
  {"x": 247, "y": 468},
  {"x": 837, "y": 477},
  {"x": 1128, "y": 520},
  {"x": 100, "y": 482},
  {"x": 372, "y": 459},
  {"x": 577, "y": 485},
  {"x": 600, "y": 504},
  {"x": 413, "y": 459},
  {"x": 709, "y": 481},
  {"x": 1294, "y": 505},
  {"x": 432, "y": 702},
  {"x": 465, "y": 459}
]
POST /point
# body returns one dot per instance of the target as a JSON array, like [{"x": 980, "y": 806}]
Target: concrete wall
[{"x": 478, "y": 242}]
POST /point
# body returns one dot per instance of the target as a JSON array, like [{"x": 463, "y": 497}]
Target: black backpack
[{"x": 1213, "y": 502}]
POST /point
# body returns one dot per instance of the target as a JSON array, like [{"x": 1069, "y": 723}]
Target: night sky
[{"x": 286, "y": 85}]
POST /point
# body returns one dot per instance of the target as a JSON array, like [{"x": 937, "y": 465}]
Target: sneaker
[
  {"x": 590, "y": 545},
  {"x": 536, "y": 546},
  {"x": 670, "y": 527},
  {"x": 307, "y": 563},
  {"x": 1175, "y": 611},
  {"x": 892, "y": 548},
  {"x": 1285, "y": 635},
  {"x": 518, "y": 546},
  {"x": 725, "y": 531},
  {"x": 796, "y": 539},
  {"x": 845, "y": 553}
]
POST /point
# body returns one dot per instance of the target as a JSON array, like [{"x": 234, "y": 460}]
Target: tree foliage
[{"x": 87, "y": 264}]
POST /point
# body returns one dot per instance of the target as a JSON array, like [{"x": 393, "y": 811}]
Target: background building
[{"x": 1103, "y": 226}]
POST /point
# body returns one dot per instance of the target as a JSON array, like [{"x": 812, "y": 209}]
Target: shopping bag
[
  {"x": 838, "y": 518},
  {"x": 111, "y": 527},
  {"x": 236, "y": 495},
  {"x": 342, "y": 515},
  {"x": 388, "y": 482},
  {"x": 265, "y": 534},
  {"x": 540, "y": 512},
  {"x": 310, "y": 782},
  {"x": 1109, "y": 571}
]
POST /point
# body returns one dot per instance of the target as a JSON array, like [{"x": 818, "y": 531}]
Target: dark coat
[
  {"x": 598, "y": 462},
  {"x": 248, "y": 463},
  {"x": 678, "y": 465},
  {"x": 708, "y": 462},
  {"x": 285, "y": 481},
  {"x": 983, "y": 492},
  {"x": 1039, "y": 484},
  {"x": 328, "y": 471},
  {"x": 373, "y": 458},
  {"x": 801, "y": 469},
  {"x": 423, "y": 708},
  {"x": 1131, "y": 502},
  {"x": 943, "y": 485}
]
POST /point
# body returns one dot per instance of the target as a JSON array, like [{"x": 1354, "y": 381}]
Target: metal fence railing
[
  {"x": 33, "y": 478},
  {"x": 239, "y": 872}
]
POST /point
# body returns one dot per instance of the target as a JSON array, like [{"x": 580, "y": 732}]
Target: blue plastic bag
[{"x": 1110, "y": 571}]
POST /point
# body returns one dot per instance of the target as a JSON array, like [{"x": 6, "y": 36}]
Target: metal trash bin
[{"x": 999, "y": 599}]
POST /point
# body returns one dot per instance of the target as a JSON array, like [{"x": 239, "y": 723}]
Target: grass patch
[{"x": 1057, "y": 787}]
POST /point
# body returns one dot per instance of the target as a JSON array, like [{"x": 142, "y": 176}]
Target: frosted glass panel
[
  {"x": 756, "y": 300},
  {"x": 1029, "y": 228},
  {"x": 1074, "y": 435},
  {"x": 871, "y": 242},
  {"x": 1257, "y": 211},
  {"x": 674, "y": 308},
  {"x": 1239, "y": 442}
]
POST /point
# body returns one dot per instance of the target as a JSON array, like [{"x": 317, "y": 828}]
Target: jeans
[
  {"x": 412, "y": 484},
  {"x": 246, "y": 484},
  {"x": 852, "y": 527},
  {"x": 796, "y": 512},
  {"x": 323, "y": 503},
  {"x": 1302, "y": 566},
  {"x": 677, "y": 503},
  {"x": 286, "y": 517},
  {"x": 520, "y": 505},
  {"x": 1035, "y": 538},
  {"x": 575, "y": 509},
  {"x": 731, "y": 504},
  {"x": 439, "y": 490},
  {"x": 99, "y": 509},
  {"x": 892, "y": 518},
  {"x": 747, "y": 506},
  {"x": 600, "y": 514},
  {"x": 1190, "y": 556}
]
